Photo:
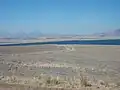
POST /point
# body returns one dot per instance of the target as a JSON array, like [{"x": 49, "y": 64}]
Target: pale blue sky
[{"x": 59, "y": 16}]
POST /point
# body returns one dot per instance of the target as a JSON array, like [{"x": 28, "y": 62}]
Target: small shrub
[
  {"x": 84, "y": 81},
  {"x": 52, "y": 81},
  {"x": 56, "y": 82},
  {"x": 101, "y": 82},
  {"x": 118, "y": 84},
  {"x": 48, "y": 81}
]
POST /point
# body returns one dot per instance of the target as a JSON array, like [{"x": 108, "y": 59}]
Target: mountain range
[{"x": 33, "y": 34}]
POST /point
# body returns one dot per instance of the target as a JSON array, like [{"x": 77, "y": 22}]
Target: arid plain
[{"x": 82, "y": 67}]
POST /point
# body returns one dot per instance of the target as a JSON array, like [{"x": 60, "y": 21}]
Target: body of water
[{"x": 81, "y": 42}]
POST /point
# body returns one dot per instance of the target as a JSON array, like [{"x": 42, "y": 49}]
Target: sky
[{"x": 59, "y": 16}]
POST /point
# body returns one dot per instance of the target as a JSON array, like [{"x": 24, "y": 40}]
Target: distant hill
[
  {"x": 21, "y": 35},
  {"x": 117, "y": 32},
  {"x": 114, "y": 33}
]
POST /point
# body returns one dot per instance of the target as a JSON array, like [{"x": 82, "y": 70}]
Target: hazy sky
[{"x": 59, "y": 16}]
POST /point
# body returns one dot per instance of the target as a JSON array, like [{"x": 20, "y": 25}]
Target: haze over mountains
[{"x": 33, "y": 34}]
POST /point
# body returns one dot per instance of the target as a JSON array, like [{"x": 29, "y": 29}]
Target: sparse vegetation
[{"x": 36, "y": 72}]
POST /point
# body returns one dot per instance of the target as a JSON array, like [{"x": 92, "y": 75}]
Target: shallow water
[{"x": 79, "y": 42}]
